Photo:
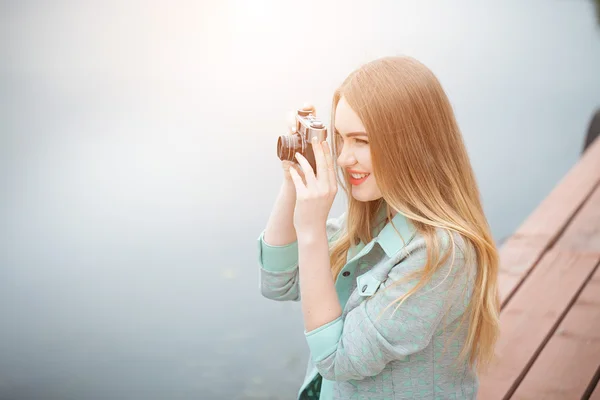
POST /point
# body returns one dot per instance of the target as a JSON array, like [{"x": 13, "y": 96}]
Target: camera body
[{"x": 307, "y": 126}]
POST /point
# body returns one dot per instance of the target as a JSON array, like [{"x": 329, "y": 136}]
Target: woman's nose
[{"x": 346, "y": 158}]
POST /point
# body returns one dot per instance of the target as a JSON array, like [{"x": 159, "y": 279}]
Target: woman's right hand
[{"x": 286, "y": 165}]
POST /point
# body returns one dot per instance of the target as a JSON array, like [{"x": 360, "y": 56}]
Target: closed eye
[{"x": 353, "y": 135}]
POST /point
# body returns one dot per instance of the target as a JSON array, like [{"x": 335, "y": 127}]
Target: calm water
[{"x": 137, "y": 168}]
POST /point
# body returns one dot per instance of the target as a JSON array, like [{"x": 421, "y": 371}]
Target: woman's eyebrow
[{"x": 351, "y": 134}]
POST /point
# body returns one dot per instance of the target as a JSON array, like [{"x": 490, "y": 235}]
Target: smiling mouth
[{"x": 357, "y": 179}]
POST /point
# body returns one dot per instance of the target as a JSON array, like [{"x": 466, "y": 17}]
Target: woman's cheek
[{"x": 364, "y": 156}]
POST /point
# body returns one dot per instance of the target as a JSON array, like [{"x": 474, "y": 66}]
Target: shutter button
[{"x": 346, "y": 273}]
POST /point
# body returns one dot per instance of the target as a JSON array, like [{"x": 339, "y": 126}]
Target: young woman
[{"x": 399, "y": 294}]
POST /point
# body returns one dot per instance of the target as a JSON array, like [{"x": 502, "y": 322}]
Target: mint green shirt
[{"x": 408, "y": 352}]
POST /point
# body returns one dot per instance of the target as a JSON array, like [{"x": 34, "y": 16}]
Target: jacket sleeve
[
  {"x": 279, "y": 264},
  {"x": 368, "y": 338}
]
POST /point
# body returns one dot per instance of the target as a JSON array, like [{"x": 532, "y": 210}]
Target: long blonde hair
[{"x": 423, "y": 172}]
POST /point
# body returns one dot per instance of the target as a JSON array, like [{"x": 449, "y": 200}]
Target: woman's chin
[{"x": 360, "y": 194}]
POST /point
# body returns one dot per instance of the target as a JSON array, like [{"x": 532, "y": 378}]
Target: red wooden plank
[
  {"x": 517, "y": 257},
  {"x": 556, "y": 210},
  {"x": 583, "y": 235},
  {"x": 568, "y": 363},
  {"x": 522, "y": 251},
  {"x": 532, "y": 315},
  {"x": 596, "y": 393}
]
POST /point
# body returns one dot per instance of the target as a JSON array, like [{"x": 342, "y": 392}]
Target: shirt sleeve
[
  {"x": 279, "y": 264},
  {"x": 369, "y": 337}
]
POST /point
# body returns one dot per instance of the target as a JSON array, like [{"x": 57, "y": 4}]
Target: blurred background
[{"x": 138, "y": 167}]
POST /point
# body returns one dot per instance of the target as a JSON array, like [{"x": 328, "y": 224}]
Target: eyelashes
[{"x": 340, "y": 140}]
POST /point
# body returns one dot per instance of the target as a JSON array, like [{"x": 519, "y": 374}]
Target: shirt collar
[{"x": 388, "y": 238}]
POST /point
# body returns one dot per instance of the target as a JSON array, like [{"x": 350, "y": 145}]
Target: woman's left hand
[{"x": 315, "y": 198}]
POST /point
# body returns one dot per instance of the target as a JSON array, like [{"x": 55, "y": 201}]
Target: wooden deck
[{"x": 549, "y": 346}]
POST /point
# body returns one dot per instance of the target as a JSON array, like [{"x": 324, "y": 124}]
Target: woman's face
[{"x": 354, "y": 153}]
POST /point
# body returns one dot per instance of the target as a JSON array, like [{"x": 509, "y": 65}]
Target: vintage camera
[{"x": 307, "y": 126}]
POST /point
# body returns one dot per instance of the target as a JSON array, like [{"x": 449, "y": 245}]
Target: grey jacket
[{"x": 406, "y": 352}]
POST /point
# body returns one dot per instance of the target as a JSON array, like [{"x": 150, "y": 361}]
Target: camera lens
[{"x": 289, "y": 145}]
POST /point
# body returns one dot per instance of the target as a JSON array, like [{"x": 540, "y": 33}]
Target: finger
[
  {"x": 298, "y": 171},
  {"x": 309, "y": 175},
  {"x": 320, "y": 161},
  {"x": 286, "y": 164},
  {"x": 300, "y": 188},
  {"x": 330, "y": 165}
]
